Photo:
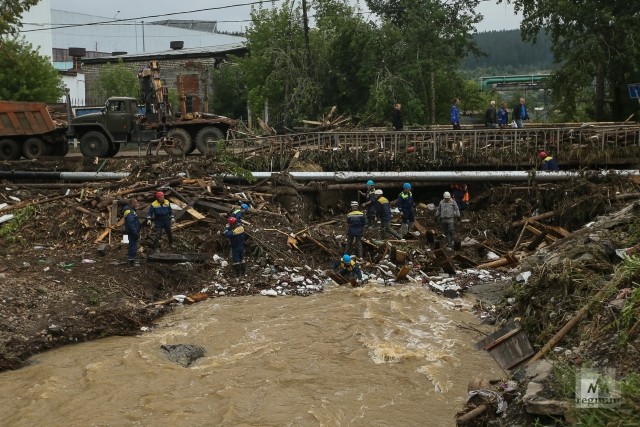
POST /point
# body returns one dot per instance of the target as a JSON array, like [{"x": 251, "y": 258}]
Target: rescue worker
[
  {"x": 446, "y": 213},
  {"x": 407, "y": 208},
  {"x": 460, "y": 193},
  {"x": 132, "y": 229},
  {"x": 160, "y": 211},
  {"x": 348, "y": 267},
  {"x": 355, "y": 220},
  {"x": 239, "y": 211},
  {"x": 370, "y": 204},
  {"x": 237, "y": 236},
  {"x": 548, "y": 162},
  {"x": 383, "y": 209}
]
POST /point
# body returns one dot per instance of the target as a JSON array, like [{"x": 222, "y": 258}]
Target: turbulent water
[{"x": 372, "y": 356}]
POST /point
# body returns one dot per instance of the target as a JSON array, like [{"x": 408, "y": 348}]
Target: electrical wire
[{"x": 112, "y": 21}]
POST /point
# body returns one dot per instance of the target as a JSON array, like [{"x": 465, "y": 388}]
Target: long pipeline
[
  {"x": 62, "y": 176},
  {"x": 444, "y": 176}
]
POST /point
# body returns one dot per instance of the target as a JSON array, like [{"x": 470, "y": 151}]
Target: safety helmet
[
  {"x": 354, "y": 204},
  {"x": 244, "y": 206},
  {"x": 346, "y": 258},
  {"x": 542, "y": 154},
  {"x": 446, "y": 195},
  {"x": 232, "y": 220},
  {"x": 159, "y": 194},
  {"x": 406, "y": 186},
  {"x": 369, "y": 182},
  {"x": 378, "y": 192}
]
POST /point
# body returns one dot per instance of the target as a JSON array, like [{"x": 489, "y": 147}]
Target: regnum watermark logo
[{"x": 596, "y": 389}]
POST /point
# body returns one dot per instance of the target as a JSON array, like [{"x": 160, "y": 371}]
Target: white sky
[{"x": 497, "y": 17}]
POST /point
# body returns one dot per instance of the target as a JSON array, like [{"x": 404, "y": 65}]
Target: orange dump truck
[{"x": 27, "y": 129}]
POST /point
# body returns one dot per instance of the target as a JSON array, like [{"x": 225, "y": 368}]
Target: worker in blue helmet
[
  {"x": 238, "y": 212},
  {"x": 370, "y": 205},
  {"x": 348, "y": 267},
  {"x": 407, "y": 207}
]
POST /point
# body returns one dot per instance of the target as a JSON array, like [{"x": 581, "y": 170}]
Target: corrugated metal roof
[{"x": 194, "y": 52}]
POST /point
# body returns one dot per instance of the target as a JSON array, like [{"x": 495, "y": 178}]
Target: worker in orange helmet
[{"x": 548, "y": 162}]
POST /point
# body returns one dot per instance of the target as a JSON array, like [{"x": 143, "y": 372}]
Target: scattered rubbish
[
  {"x": 523, "y": 277},
  {"x": 5, "y": 218},
  {"x": 88, "y": 261}
]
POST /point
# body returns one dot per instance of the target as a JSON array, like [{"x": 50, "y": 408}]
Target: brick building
[{"x": 185, "y": 69}]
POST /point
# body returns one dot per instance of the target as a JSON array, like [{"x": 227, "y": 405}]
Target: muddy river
[{"x": 372, "y": 356}]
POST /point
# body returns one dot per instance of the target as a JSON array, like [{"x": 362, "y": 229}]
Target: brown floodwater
[{"x": 371, "y": 356}]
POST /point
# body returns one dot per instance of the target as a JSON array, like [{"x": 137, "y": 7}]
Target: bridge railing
[{"x": 441, "y": 147}]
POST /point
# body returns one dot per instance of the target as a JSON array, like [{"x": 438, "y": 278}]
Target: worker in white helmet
[{"x": 446, "y": 213}]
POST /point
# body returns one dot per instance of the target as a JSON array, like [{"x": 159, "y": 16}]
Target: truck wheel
[
  {"x": 34, "y": 148},
  {"x": 207, "y": 139},
  {"x": 9, "y": 149},
  {"x": 184, "y": 140},
  {"x": 94, "y": 144},
  {"x": 61, "y": 149},
  {"x": 115, "y": 147}
]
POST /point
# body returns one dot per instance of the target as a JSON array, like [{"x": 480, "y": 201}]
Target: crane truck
[{"x": 120, "y": 122}]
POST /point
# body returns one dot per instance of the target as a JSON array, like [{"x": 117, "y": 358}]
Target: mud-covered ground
[{"x": 57, "y": 289}]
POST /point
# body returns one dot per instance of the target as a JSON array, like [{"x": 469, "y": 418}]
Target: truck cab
[{"x": 101, "y": 134}]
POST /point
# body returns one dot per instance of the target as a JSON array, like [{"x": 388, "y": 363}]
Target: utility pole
[{"x": 305, "y": 21}]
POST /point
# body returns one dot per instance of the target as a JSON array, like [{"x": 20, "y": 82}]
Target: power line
[{"x": 149, "y": 16}]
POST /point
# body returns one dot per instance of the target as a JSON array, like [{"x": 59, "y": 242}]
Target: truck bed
[{"x": 24, "y": 118}]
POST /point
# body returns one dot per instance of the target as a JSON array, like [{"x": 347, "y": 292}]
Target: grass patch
[{"x": 10, "y": 228}]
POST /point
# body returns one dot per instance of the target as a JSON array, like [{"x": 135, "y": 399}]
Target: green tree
[
  {"x": 229, "y": 91},
  {"x": 10, "y": 14},
  {"x": 594, "y": 43},
  {"x": 25, "y": 75},
  {"x": 116, "y": 80}
]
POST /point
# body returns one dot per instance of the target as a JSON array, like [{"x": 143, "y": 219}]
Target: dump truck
[
  {"x": 27, "y": 129},
  {"x": 126, "y": 120}
]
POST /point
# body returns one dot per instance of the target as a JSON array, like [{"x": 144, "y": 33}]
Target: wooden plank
[
  {"x": 107, "y": 230},
  {"x": 339, "y": 279},
  {"x": 403, "y": 272},
  {"x": 420, "y": 227},
  {"x": 502, "y": 339}
]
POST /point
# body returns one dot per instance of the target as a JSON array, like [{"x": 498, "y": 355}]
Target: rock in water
[{"x": 183, "y": 354}]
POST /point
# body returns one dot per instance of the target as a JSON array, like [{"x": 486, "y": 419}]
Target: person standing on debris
[
  {"x": 491, "y": 116},
  {"x": 132, "y": 229},
  {"x": 446, "y": 213},
  {"x": 548, "y": 162},
  {"x": 407, "y": 206},
  {"x": 455, "y": 114},
  {"x": 348, "y": 267},
  {"x": 520, "y": 113},
  {"x": 237, "y": 236},
  {"x": 355, "y": 220},
  {"x": 239, "y": 211},
  {"x": 503, "y": 115},
  {"x": 396, "y": 117},
  {"x": 383, "y": 208},
  {"x": 160, "y": 211},
  {"x": 460, "y": 193},
  {"x": 370, "y": 204}
]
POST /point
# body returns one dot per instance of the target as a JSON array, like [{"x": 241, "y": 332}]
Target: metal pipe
[
  {"x": 446, "y": 176},
  {"x": 63, "y": 176}
]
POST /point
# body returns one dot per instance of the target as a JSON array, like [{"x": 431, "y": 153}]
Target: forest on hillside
[{"x": 506, "y": 53}]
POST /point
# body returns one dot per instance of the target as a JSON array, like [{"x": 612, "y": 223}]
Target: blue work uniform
[
  {"x": 384, "y": 213},
  {"x": 407, "y": 206},
  {"x": 355, "y": 220},
  {"x": 162, "y": 215},
  {"x": 550, "y": 164},
  {"x": 348, "y": 269},
  {"x": 237, "y": 237},
  {"x": 132, "y": 229}
]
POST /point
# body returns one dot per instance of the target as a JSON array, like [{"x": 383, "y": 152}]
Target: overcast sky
[{"x": 497, "y": 17}]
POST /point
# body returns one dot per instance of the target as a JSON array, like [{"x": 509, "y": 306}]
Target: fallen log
[
  {"x": 571, "y": 323},
  {"x": 25, "y": 203},
  {"x": 507, "y": 259}
]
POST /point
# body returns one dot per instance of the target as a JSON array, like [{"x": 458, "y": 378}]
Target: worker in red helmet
[
  {"x": 160, "y": 212},
  {"x": 548, "y": 162},
  {"x": 237, "y": 236}
]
